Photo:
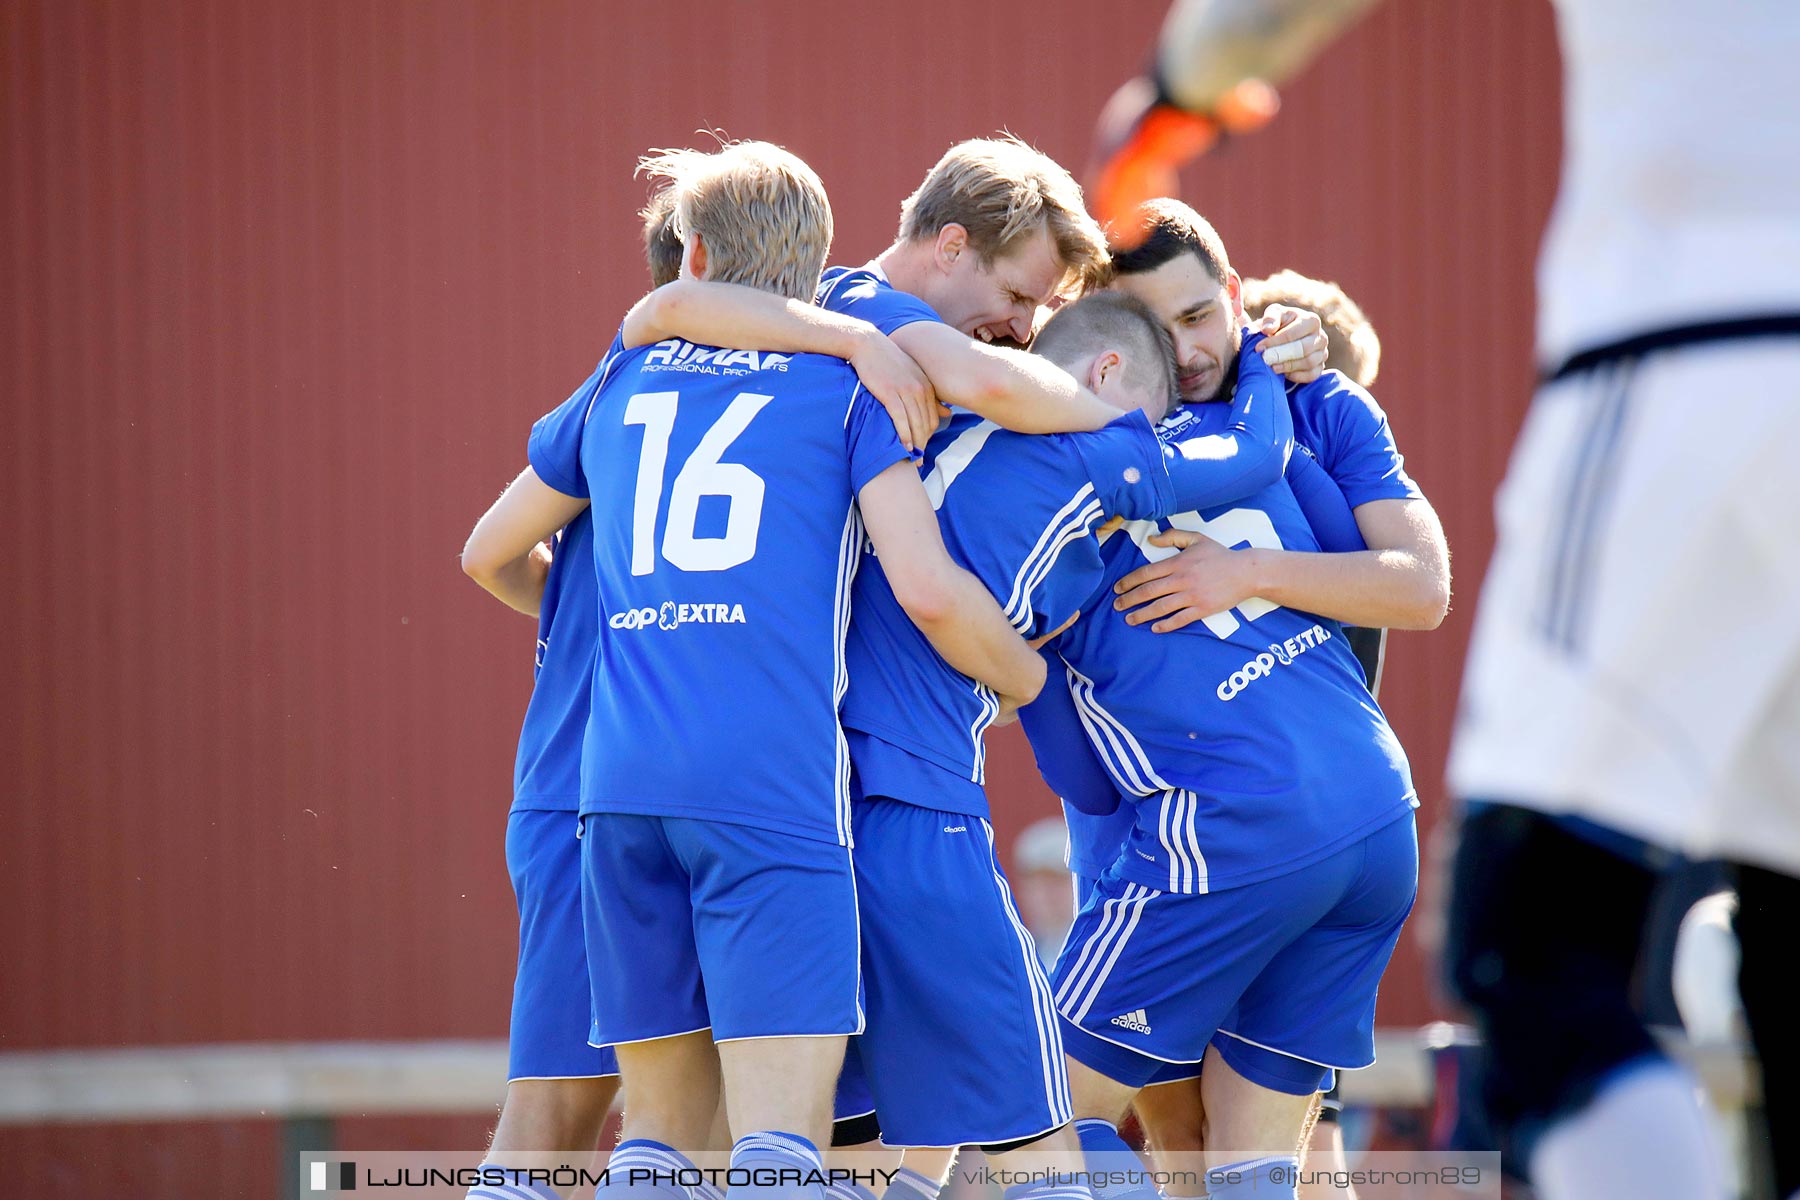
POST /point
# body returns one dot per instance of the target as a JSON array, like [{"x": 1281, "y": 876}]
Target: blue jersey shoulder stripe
[
  {"x": 1075, "y": 519},
  {"x": 955, "y": 459},
  {"x": 849, "y": 559}
]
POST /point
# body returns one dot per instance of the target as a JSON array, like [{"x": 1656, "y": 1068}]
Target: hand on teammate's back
[
  {"x": 1205, "y": 578},
  {"x": 894, "y": 379}
]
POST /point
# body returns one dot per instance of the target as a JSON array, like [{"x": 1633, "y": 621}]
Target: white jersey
[
  {"x": 1680, "y": 197},
  {"x": 1636, "y": 655}
]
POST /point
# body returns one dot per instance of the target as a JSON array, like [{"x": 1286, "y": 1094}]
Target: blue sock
[
  {"x": 1115, "y": 1167},
  {"x": 706, "y": 1190},
  {"x": 908, "y": 1184},
  {"x": 785, "y": 1166},
  {"x": 1256, "y": 1179},
  {"x": 641, "y": 1169},
  {"x": 513, "y": 1186},
  {"x": 845, "y": 1190}
]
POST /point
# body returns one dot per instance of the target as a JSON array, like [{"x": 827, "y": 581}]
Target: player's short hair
[
  {"x": 1172, "y": 229},
  {"x": 662, "y": 249},
  {"x": 1001, "y": 190},
  {"x": 1104, "y": 321},
  {"x": 1355, "y": 350},
  {"x": 760, "y": 210}
]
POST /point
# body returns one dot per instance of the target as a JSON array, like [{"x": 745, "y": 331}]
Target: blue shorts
[
  {"x": 695, "y": 925},
  {"x": 1278, "y": 970},
  {"x": 550, "y": 1013},
  {"x": 962, "y": 1045},
  {"x": 1166, "y": 1072},
  {"x": 1252, "y": 1062}
]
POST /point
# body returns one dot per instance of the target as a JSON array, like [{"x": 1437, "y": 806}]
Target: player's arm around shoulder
[
  {"x": 1400, "y": 581},
  {"x": 505, "y": 552},
  {"x": 1407, "y": 550},
  {"x": 744, "y": 318},
  {"x": 1403, "y": 584},
  {"x": 1407, "y": 539},
  {"x": 1013, "y": 389},
  {"x": 948, "y": 604}
]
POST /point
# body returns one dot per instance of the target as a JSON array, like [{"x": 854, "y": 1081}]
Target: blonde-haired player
[{"x": 730, "y": 493}]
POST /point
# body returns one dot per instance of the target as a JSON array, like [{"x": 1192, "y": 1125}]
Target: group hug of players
[{"x": 814, "y": 532}]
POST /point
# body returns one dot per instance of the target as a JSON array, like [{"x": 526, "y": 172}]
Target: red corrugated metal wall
[{"x": 285, "y": 285}]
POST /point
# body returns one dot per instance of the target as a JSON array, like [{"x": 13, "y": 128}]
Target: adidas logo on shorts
[{"x": 1137, "y": 1022}]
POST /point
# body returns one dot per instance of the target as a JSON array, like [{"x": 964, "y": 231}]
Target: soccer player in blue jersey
[
  {"x": 1203, "y": 829},
  {"x": 717, "y": 881},
  {"x": 1401, "y": 582},
  {"x": 1181, "y": 269},
  {"x": 1345, "y": 428},
  {"x": 560, "y": 1087},
  {"x": 981, "y": 1062}
]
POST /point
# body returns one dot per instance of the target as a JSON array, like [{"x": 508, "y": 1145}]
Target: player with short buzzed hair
[{"x": 1170, "y": 1113}]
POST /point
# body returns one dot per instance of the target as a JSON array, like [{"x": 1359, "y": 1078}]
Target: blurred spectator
[{"x": 1043, "y": 885}]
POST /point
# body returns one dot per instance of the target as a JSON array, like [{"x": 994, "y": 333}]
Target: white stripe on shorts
[
  {"x": 1102, "y": 951},
  {"x": 1043, "y": 1007}
]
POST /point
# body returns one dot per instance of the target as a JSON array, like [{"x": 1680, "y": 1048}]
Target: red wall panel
[{"x": 285, "y": 285}]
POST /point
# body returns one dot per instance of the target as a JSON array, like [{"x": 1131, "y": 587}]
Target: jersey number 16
[{"x": 701, "y": 475}]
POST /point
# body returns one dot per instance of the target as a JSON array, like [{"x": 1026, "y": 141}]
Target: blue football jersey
[
  {"x": 1338, "y": 425},
  {"x": 1248, "y": 739},
  {"x": 1341, "y": 425},
  {"x": 1018, "y": 511},
  {"x": 547, "y": 767},
  {"x": 1099, "y": 818},
  {"x": 726, "y": 541}
]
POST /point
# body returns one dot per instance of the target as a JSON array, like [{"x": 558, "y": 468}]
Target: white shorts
[{"x": 1636, "y": 655}]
